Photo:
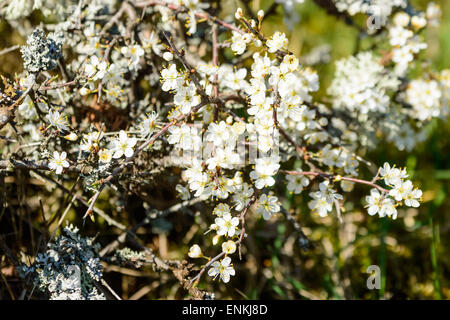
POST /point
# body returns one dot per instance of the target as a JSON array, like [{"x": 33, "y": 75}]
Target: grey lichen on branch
[{"x": 69, "y": 269}]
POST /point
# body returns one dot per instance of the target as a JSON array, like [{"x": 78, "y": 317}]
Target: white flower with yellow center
[
  {"x": 170, "y": 78},
  {"x": 147, "y": 127},
  {"x": 374, "y": 202},
  {"x": 91, "y": 141},
  {"x": 187, "y": 97},
  {"x": 95, "y": 69},
  {"x": 296, "y": 183},
  {"x": 221, "y": 209},
  {"x": 133, "y": 53}
]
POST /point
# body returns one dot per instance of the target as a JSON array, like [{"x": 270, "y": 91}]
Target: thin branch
[
  {"x": 104, "y": 283},
  {"x": 150, "y": 217},
  {"x": 10, "y": 49},
  {"x": 189, "y": 69}
]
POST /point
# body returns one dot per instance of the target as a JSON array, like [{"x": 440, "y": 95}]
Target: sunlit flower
[{"x": 195, "y": 251}]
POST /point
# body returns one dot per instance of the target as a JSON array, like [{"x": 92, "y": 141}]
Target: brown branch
[
  {"x": 7, "y": 114},
  {"x": 191, "y": 71},
  {"x": 198, "y": 276},
  {"x": 150, "y": 217},
  {"x": 279, "y": 53},
  {"x": 238, "y": 242},
  {"x": 114, "y": 19},
  {"x": 82, "y": 200},
  {"x": 179, "y": 269},
  {"x": 301, "y": 151}
]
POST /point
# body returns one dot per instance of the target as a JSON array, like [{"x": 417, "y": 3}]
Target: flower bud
[
  {"x": 216, "y": 239},
  {"x": 323, "y": 121},
  {"x": 401, "y": 19}
]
